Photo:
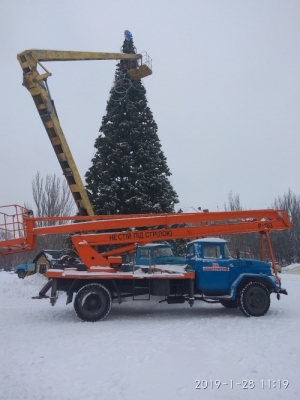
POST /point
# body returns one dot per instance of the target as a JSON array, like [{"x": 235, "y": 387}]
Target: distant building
[{"x": 45, "y": 258}]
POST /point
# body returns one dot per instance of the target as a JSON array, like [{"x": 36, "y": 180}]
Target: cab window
[
  {"x": 190, "y": 251},
  {"x": 211, "y": 251},
  {"x": 163, "y": 252},
  {"x": 144, "y": 253},
  {"x": 166, "y": 252}
]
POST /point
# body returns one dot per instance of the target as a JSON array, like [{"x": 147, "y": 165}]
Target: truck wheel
[
  {"x": 229, "y": 304},
  {"x": 92, "y": 302},
  {"x": 22, "y": 273},
  {"x": 254, "y": 299}
]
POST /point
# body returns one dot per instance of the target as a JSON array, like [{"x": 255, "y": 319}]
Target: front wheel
[
  {"x": 21, "y": 274},
  {"x": 93, "y": 302},
  {"x": 254, "y": 299}
]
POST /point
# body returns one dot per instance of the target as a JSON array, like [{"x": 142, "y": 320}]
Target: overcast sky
[{"x": 225, "y": 91}]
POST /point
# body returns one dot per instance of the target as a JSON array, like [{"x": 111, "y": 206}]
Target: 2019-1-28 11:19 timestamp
[{"x": 243, "y": 384}]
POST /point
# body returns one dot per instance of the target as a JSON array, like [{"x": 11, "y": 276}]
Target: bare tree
[
  {"x": 234, "y": 203},
  {"x": 287, "y": 243},
  {"x": 246, "y": 244},
  {"x": 52, "y": 198}
]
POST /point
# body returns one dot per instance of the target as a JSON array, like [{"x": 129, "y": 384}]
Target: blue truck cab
[
  {"x": 234, "y": 282},
  {"x": 157, "y": 254},
  {"x": 25, "y": 269}
]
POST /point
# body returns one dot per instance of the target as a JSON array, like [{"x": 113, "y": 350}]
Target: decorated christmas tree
[{"x": 129, "y": 172}]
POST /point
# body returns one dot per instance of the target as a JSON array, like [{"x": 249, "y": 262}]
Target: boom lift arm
[
  {"x": 20, "y": 230},
  {"x": 36, "y": 84}
]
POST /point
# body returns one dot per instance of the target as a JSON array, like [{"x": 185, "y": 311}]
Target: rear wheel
[
  {"x": 229, "y": 304},
  {"x": 254, "y": 299},
  {"x": 92, "y": 302}
]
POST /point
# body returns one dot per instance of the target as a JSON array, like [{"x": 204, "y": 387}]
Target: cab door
[{"x": 216, "y": 269}]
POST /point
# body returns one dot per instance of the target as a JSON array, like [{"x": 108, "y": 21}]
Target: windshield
[
  {"x": 227, "y": 252},
  {"x": 163, "y": 252}
]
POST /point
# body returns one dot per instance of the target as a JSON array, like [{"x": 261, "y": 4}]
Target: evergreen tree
[{"x": 129, "y": 172}]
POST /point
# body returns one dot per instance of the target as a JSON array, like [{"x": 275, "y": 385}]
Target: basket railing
[{"x": 12, "y": 228}]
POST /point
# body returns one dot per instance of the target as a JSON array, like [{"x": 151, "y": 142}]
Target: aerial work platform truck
[{"x": 210, "y": 273}]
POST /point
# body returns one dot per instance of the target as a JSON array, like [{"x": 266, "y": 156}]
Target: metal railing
[{"x": 12, "y": 227}]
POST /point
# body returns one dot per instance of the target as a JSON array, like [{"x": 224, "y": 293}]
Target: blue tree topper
[{"x": 128, "y": 35}]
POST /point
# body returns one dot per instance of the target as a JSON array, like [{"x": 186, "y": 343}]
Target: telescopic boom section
[
  {"x": 36, "y": 84},
  {"x": 129, "y": 230}
]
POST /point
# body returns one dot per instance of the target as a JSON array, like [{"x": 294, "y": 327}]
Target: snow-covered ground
[
  {"x": 145, "y": 350},
  {"x": 292, "y": 269}
]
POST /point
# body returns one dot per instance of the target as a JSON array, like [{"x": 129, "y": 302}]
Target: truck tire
[
  {"x": 92, "y": 302},
  {"x": 254, "y": 299},
  {"x": 21, "y": 274},
  {"x": 229, "y": 304}
]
